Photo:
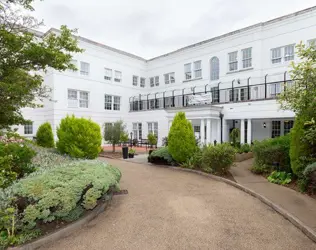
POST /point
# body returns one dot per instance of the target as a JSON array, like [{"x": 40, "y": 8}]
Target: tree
[
  {"x": 25, "y": 56},
  {"x": 44, "y": 136},
  {"x": 301, "y": 96},
  {"x": 181, "y": 140},
  {"x": 113, "y": 132}
]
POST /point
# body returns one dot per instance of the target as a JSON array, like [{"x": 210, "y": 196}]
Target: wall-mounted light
[{"x": 264, "y": 125}]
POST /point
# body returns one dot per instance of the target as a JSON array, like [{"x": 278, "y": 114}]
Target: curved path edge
[
  {"x": 67, "y": 230},
  {"x": 310, "y": 233}
]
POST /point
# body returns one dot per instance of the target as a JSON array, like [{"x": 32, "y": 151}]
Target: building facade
[{"x": 226, "y": 82}]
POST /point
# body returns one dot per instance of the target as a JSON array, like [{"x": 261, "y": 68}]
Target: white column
[
  {"x": 208, "y": 131},
  {"x": 225, "y": 139},
  {"x": 249, "y": 131},
  {"x": 218, "y": 132},
  {"x": 242, "y": 131},
  {"x": 202, "y": 133}
]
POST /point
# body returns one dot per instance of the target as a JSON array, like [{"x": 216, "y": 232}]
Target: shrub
[
  {"x": 244, "y": 148},
  {"x": 218, "y": 159},
  {"x": 152, "y": 139},
  {"x": 194, "y": 162},
  {"x": 280, "y": 178},
  {"x": 79, "y": 137},
  {"x": 165, "y": 141},
  {"x": 161, "y": 156},
  {"x": 234, "y": 137},
  {"x": 54, "y": 193},
  {"x": 44, "y": 136},
  {"x": 308, "y": 180},
  {"x": 270, "y": 152},
  {"x": 181, "y": 140},
  {"x": 15, "y": 162}
]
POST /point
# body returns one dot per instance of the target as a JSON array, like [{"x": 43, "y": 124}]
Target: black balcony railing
[{"x": 210, "y": 95}]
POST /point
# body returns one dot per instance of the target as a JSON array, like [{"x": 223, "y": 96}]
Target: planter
[
  {"x": 243, "y": 156},
  {"x": 125, "y": 152},
  {"x": 130, "y": 155}
]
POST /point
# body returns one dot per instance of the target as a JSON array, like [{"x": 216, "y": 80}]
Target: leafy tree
[
  {"x": 113, "y": 132},
  {"x": 181, "y": 140},
  {"x": 301, "y": 96},
  {"x": 152, "y": 138},
  {"x": 45, "y": 136},
  {"x": 25, "y": 56}
]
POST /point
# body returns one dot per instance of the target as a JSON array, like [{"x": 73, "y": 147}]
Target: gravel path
[{"x": 167, "y": 209}]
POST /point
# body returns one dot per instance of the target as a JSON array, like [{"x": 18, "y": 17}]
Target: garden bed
[{"x": 243, "y": 156}]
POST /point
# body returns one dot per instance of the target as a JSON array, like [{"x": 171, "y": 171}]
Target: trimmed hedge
[
  {"x": 44, "y": 136},
  {"x": 218, "y": 159},
  {"x": 181, "y": 139},
  {"x": 161, "y": 156},
  {"x": 271, "y": 151},
  {"x": 79, "y": 138}
]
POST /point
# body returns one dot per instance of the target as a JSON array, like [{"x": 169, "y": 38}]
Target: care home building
[{"x": 229, "y": 81}]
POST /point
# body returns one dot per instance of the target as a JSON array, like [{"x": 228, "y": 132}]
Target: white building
[{"x": 228, "y": 81}]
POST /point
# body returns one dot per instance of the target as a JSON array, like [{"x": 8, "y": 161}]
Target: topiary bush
[
  {"x": 79, "y": 137},
  {"x": 44, "y": 136},
  {"x": 181, "y": 139},
  {"x": 270, "y": 152},
  {"x": 218, "y": 159},
  {"x": 308, "y": 179},
  {"x": 244, "y": 148},
  {"x": 161, "y": 156}
]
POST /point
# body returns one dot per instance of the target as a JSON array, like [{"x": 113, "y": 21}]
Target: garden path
[
  {"x": 169, "y": 209},
  {"x": 300, "y": 205}
]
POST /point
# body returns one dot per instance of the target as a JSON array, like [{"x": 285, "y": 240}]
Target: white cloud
[{"x": 150, "y": 28}]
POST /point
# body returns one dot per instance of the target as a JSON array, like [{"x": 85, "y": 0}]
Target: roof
[{"x": 301, "y": 12}]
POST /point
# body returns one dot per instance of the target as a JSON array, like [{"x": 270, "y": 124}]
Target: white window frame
[
  {"x": 187, "y": 71},
  {"x": 116, "y": 103},
  {"x": 169, "y": 78},
  {"x": 108, "y": 74},
  {"x": 233, "y": 60},
  {"x": 29, "y": 129},
  {"x": 197, "y": 69},
  {"x": 214, "y": 68},
  {"x": 289, "y": 52},
  {"x": 135, "y": 80},
  {"x": 84, "y": 68},
  {"x": 157, "y": 80},
  {"x": 74, "y": 62},
  {"x": 276, "y": 55},
  {"x": 137, "y": 130},
  {"x": 117, "y": 76},
  {"x": 142, "y": 82},
  {"x": 153, "y": 128},
  {"x": 108, "y": 102},
  {"x": 112, "y": 102},
  {"x": 152, "y": 82},
  {"x": 246, "y": 58},
  {"x": 76, "y": 100}
]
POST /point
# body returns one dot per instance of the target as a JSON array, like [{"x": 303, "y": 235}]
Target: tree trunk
[{"x": 113, "y": 148}]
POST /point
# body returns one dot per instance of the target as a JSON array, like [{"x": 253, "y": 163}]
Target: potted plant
[
  {"x": 124, "y": 140},
  {"x": 152, "y": 139},
  {"x": 131, "y": 153}
]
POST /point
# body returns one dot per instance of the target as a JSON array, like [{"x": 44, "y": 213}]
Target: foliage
[
  {"x": 272, "y": 152},
  {"x": 79, "y": 137},
  {"x": 300, "y": 97},
  {"x": 244, "y": 148},
  {"x": 112, "y": 132},
  {"x": 308, "y": 180},
  {"x": 24, "y": 58},
  {"x": 161, "y": 156},
  {"x": 44, "y": 136},
  {"x": 124, "y": 138},
  {"x": 194, "y": 162},
  {"x": 165, "y": 141},
  {"x": 15, "y": 161},
  {"x": 281, "y": 178},
  {"x": 152, "y": 139},
  {"x": 218, "y": 159},
  {"x": 131, "y": 151},
  {"x": 234, "y": 137},
  {"x": 181, "y": 139}
]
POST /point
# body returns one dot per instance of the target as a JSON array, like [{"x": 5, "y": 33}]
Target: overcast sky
[{"x": 150, "y": 28}]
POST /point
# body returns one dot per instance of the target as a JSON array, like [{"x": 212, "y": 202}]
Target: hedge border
[{"x": 66, "y": 231}]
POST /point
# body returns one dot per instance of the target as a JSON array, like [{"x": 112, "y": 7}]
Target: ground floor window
[
  {"x": 276, "y": 129},
  {"x": 137, "y": 131},
  {"x": 153, "y": 128},
  {"x": 28, "y": 129},
  {"x": 288, "y": 125}
]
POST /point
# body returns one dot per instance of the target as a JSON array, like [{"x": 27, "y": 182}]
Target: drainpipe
[
  {"x": 147, "y": 102},
  {"x": 205, "y": 88},
  {"x": 265, "y": 86},
  {"x": 156, "y": 100},
  {"x": 221, "y": 117},
  {"x": 140, "y": 99},
  {"x": 285, "y": 80},
  {"x": 248, "y": 83},
  {"x": 193, "y": 90},
  {"x": 183, "y": 97},
  {"x": 233, "y": 89},
  {"x": 172, "y": 98},
  {"x": 164, "y": 103},
  {"x": 218, "y": 91}
]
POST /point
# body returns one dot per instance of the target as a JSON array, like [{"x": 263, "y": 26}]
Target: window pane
[
  {"x": 166, "y": 78},
  {"x": 288, "y": 125},
  {"x": 72, "y": 94},
  {"x": 28, "y": 129},
  {"x": 135, "y": 80},
  {"x": 108, "y": 102},
  {"x": 214, "y": 68},
  {"x": 142, "y": 82},
  {"x": 247, "y": 60},
  {"x": 84, "y": 68},
  {"x": 157, "y": 80},
  {"x": 187, "y": 71},
  {"x": 118, "y": 76},
  {"x": 152, "y": 83},
  {"x": 276, "y": 128},
  {"x": 107, "y": 74},
  {"x": 117, "y": 103},
  {"x": 289, "y": 53},
  {"x": 197, "y": 65},
  {"x": 276, "y": 55},
  {"x": 233, "y": 61},
  {"x": 172, "y": 77}
]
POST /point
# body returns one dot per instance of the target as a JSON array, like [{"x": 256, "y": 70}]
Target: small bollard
[{"x": 215, "y": 142}]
